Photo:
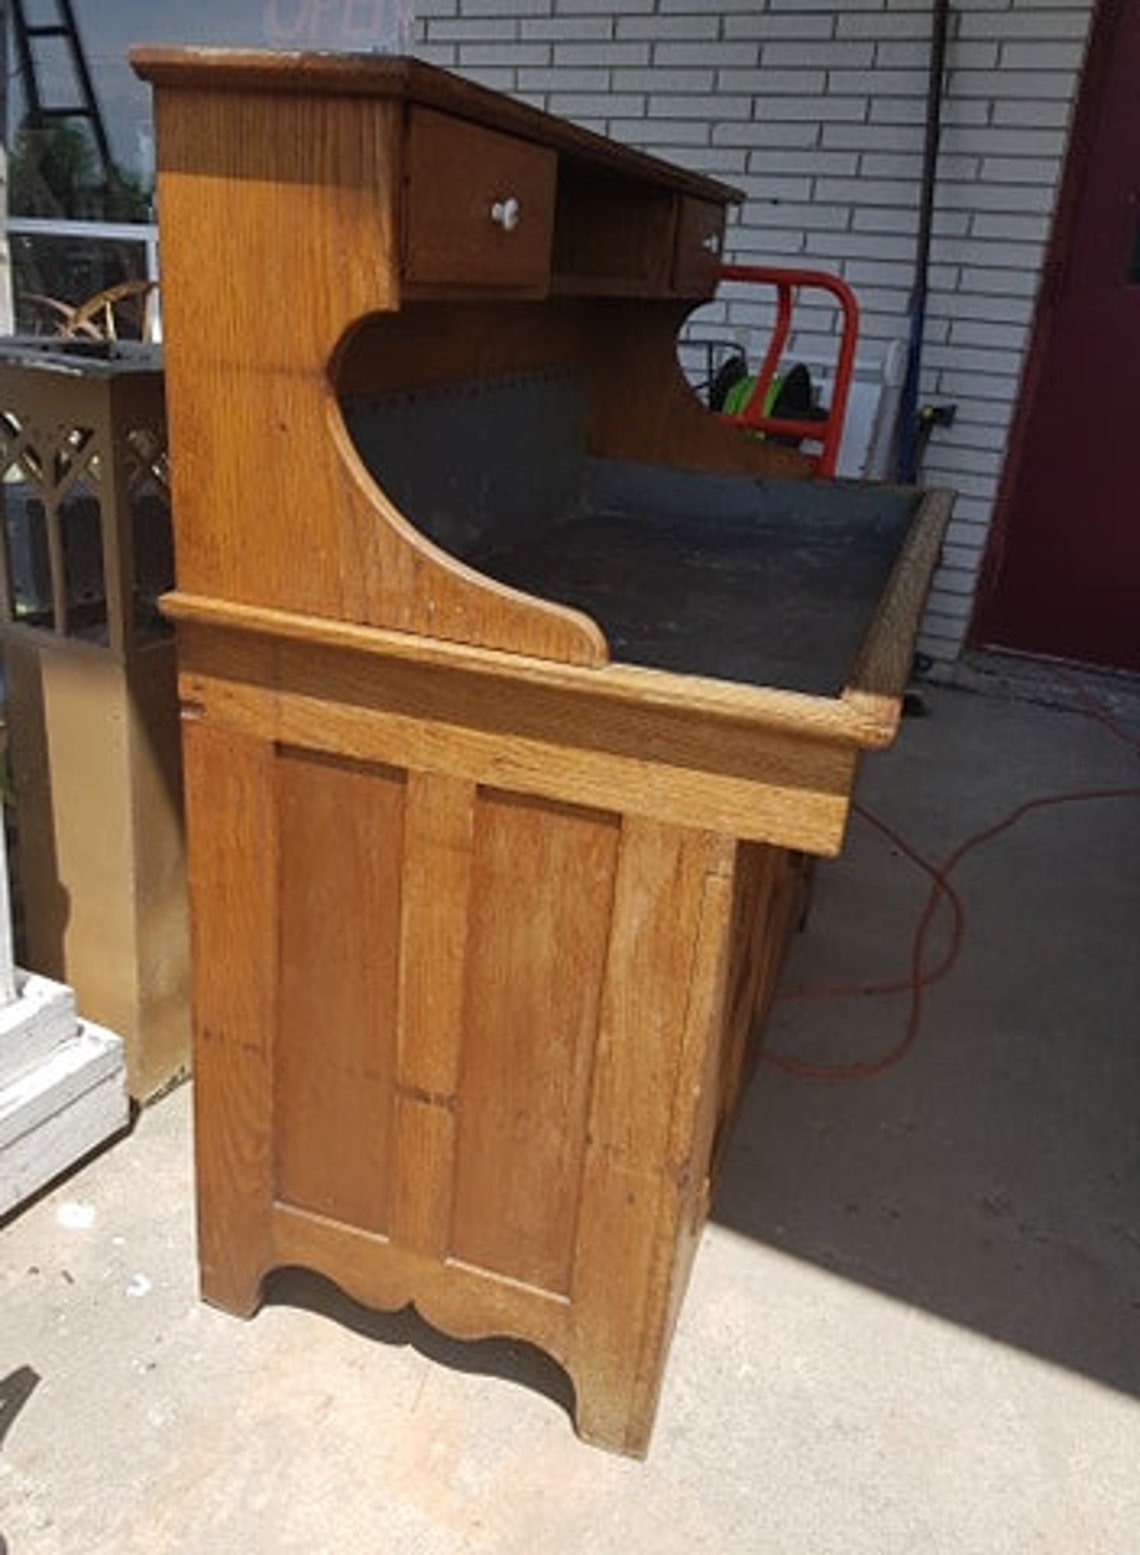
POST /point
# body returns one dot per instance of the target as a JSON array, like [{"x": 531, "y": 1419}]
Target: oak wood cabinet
[{"x": 514, "y": 688}]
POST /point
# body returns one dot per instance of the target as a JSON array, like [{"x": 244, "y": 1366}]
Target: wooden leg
[
  {"x": 236, "y": 1291},
  {"x": 654, "y": 1103},
  {"x": 612, "y": 1409}
]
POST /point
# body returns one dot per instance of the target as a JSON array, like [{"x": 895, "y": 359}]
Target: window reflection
[{"x": 80, "y": 137}]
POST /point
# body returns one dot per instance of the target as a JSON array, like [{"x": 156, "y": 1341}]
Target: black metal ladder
[{"x": 29, "y": 35}]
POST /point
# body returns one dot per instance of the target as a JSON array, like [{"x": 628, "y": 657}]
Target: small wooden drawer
[
  {"x": 699, "y": 248},
  {"x": 479, "y": 206}
]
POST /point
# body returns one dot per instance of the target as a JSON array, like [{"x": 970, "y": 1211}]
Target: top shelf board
[{"x": 414, "y": 81}]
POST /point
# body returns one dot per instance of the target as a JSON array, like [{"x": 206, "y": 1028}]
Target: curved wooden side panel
[
  {"x": 417, "y": 587},
  {"x": 271, "y": 505},
  {"x": 322, "y": 538},
  {"x": 642, "y": 406}
]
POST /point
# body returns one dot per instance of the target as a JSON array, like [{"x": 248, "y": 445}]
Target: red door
[{"x": 1062, "y": 574}]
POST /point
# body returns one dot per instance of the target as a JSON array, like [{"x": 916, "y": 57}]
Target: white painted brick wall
[{"x": 816, "y": 111}]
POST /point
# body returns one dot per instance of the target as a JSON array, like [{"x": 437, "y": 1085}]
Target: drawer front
[
  {"x": 699, "y": 248},
  {"x": 479, "y": 206}
]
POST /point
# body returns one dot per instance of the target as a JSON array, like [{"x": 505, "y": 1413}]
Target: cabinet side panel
[
  {"x": 341, "y": 847},
  {"x": 541, "y": 902},
  {"x": 770, "y": 898}
]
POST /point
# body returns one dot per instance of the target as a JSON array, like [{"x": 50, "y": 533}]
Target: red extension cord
[{"x": 920, "y": 978}]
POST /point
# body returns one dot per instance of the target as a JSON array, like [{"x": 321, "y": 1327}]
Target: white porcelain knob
[
  {"x": 711, "y": 244},
  {"x": 505, "y": 213}
]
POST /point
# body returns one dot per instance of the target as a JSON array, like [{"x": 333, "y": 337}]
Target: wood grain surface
[{"x": 484, "y": 921}]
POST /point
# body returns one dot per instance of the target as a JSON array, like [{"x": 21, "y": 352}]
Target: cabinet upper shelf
[
  {"x": 413, "y": 81},
  {"x": 492, "y": 193}
]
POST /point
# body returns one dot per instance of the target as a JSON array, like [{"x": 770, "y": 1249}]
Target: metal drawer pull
[{"x": 505, "y": 214}]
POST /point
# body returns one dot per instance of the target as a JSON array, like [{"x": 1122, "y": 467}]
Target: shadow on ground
[
  {"x": 509, "y": 1360},
  {"x": 993, "y": 1177}
]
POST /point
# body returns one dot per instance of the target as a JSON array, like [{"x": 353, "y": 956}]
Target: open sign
[{"x": 340, "y": 24}]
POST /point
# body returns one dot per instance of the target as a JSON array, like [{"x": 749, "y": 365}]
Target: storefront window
[{"x": 80, "y": 138}]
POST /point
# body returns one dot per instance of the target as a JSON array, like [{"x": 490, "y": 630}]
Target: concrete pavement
[{"x": 914, "y": 1321}]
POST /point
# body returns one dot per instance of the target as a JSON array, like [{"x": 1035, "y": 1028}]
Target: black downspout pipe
[{"x": 908, "y": 423}]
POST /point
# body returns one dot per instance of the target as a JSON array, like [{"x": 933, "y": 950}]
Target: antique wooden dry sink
[{"x": 514, "y": 685}]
